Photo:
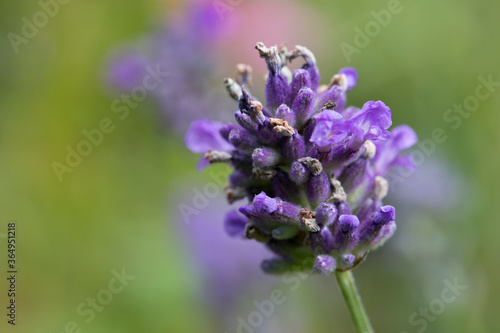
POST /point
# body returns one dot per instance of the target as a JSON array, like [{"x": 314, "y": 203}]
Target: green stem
[{"x": 353, "y": 300}]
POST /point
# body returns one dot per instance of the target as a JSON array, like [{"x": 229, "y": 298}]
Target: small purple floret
[{"x": 324, "y": 264}]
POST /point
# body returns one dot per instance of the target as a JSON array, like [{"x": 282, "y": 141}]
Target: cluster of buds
[{"x": 311, "y": 169}]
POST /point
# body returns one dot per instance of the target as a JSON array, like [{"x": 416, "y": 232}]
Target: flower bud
[
  {"x": 326, "y": 213},
  {"x": 303, "y": 106},
  {"x": 301, "y": 79},
  {"x": 318, "y": 188},
  {"x": 324, "y": 264},
  {"x": 299, "y": 173},
  {"x": 345, "y": 237},
  {"x": 294, "y": 147},
  {"x": 243, "y": 140},
  {"x": 265, "y": 157},
  {"x": 285, "y": 113}
]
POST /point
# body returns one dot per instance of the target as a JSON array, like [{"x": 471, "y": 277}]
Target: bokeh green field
[{"x": 118, "y": 208}]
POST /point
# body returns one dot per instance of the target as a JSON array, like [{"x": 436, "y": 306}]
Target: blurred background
[{"x": 132, "y": 205}]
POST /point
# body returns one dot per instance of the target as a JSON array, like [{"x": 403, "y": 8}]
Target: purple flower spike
[
  {"x": 324, "y": 264},
  {"x": 234, "y": 224},
  {"x": 314, "y": 173},
  {"x": 345, "y": 237},
  {"x": 326, "y": 213},
  {"x": 351, "y": 75},
  {"x": 204, "y": 135}
]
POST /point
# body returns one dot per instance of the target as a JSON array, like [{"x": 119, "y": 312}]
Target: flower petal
[{"x": 204, "y": 135}]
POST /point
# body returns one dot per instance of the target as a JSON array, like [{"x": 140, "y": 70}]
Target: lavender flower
[{"x": 311, "y": 168}]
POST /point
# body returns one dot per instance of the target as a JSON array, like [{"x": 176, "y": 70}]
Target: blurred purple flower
[
  {"x": 184, "y": 49},
  {"x": 204, "y": 135},
  {"x": 437, "y": 186},
  {"x": 127, "y": 70},
  {"x": 227, "y": 267}
]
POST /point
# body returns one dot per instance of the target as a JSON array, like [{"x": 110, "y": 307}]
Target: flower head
[{"x": 311, "y": 169}]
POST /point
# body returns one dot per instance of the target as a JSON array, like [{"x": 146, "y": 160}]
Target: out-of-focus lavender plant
[
  {"x": 437, "y": 186},
  {"x": 311, "y": 168},
  {"x": 184, "y": 49},
  {"x": 225, "y": 265}
]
